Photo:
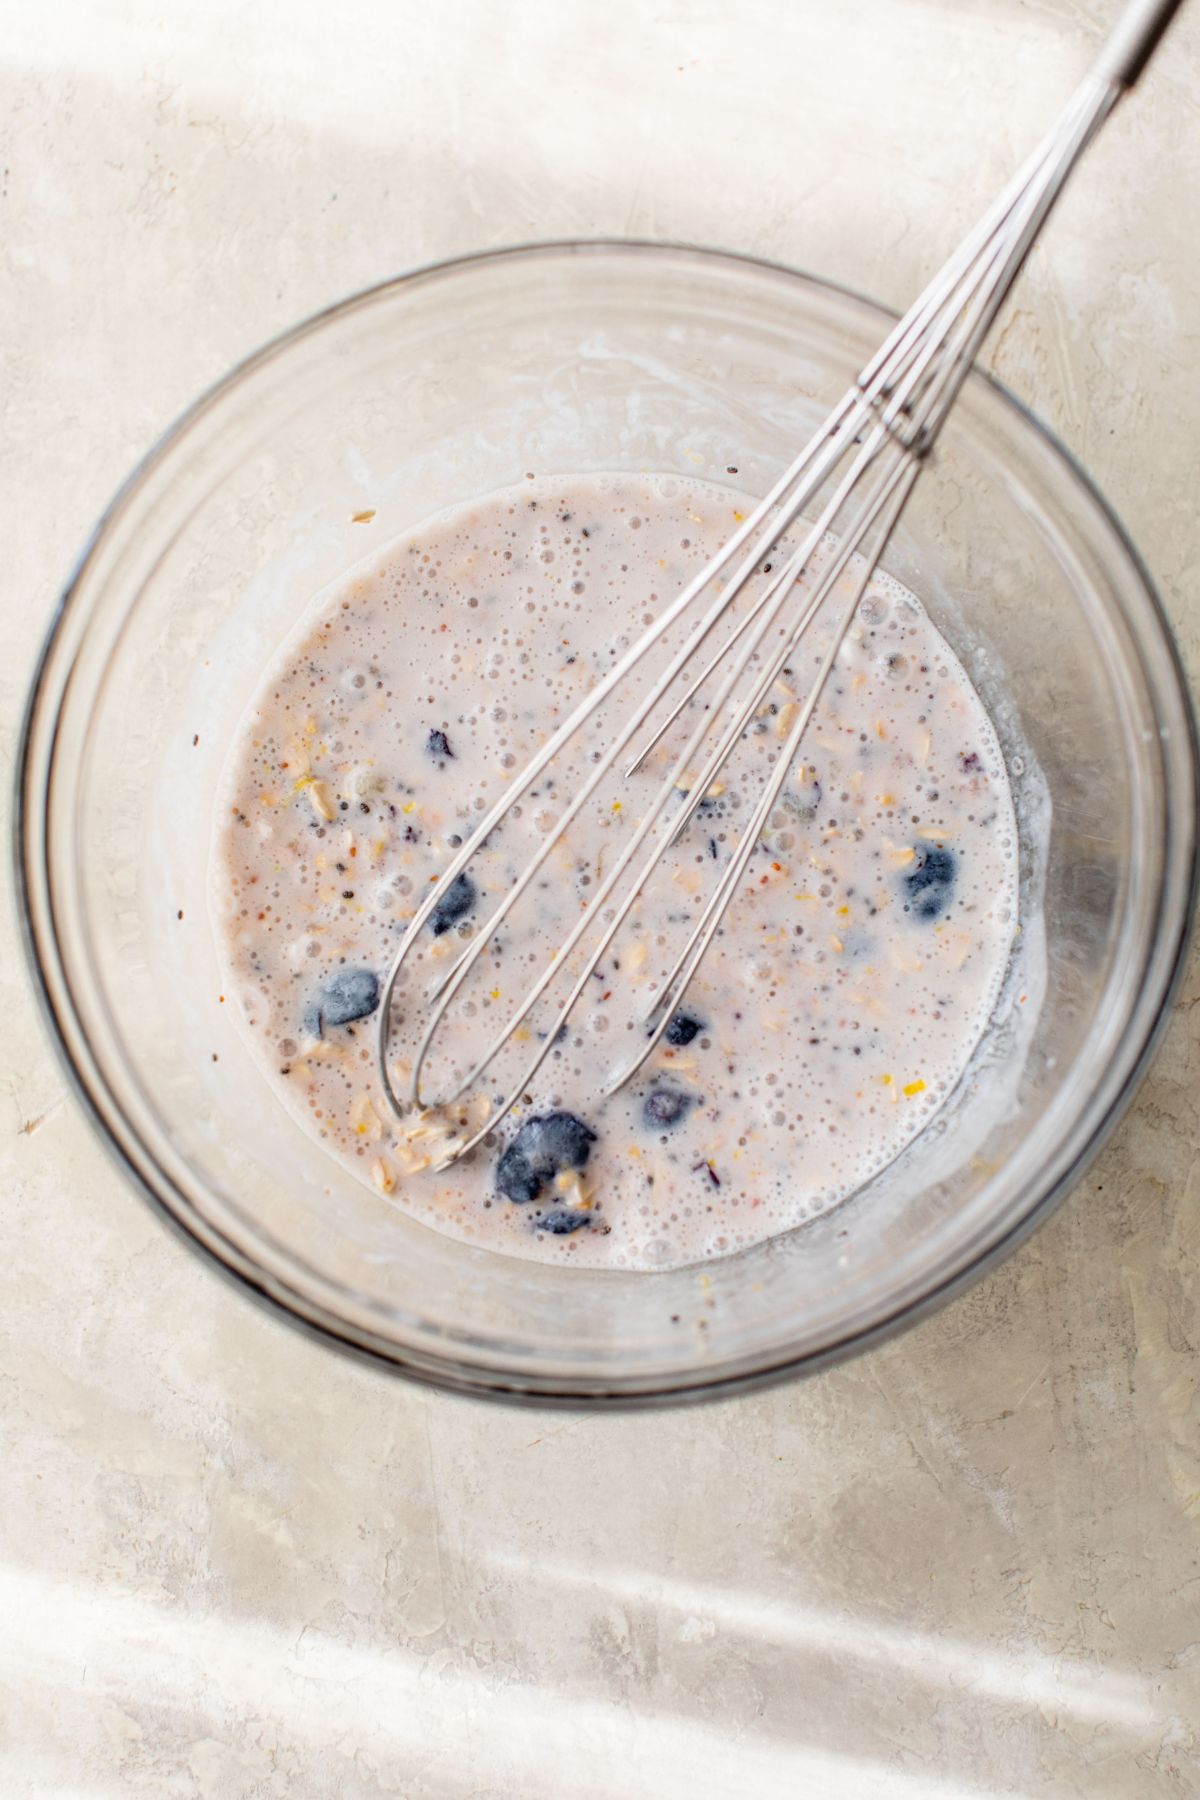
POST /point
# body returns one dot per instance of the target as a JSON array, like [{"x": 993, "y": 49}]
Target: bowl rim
[{"x": 301, "y": 1311}]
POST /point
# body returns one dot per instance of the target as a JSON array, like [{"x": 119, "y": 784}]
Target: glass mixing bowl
[{"x": 449, "y": 383}]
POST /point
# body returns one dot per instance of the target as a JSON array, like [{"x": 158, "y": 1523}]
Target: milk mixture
[{"x": 837, "y": 1007}]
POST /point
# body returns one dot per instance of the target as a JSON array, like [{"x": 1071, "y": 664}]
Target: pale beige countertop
[{"x": 233, "y": 1564}]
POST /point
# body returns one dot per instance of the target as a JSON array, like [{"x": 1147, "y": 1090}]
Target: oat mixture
[{"x": 855, "y": 970}]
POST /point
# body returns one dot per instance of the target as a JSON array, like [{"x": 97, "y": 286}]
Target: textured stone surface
[{"x": 232, "y": 1564}]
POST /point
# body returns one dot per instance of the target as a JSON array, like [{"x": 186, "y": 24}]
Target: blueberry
[
  {"x": 803, "y": 801},
  {"x": 664, "y": 1107},
  {"x": 453, "y": 905},
  {"x": 348, "y": 995},
  {"x": 707, "y": 805},
  {"x": 930, "y": 882},
  {"x": 542, "y": 1148},
  {"x": 437, "y": 745},
  {"x": 560, "y": 1221},
  {"x": 682, "y": 1029}
]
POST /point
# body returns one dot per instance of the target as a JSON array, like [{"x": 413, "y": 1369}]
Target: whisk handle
[{"x": 1134, "y": 40}]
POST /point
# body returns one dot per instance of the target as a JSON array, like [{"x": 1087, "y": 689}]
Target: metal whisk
[{"x": 865, "y": 459}]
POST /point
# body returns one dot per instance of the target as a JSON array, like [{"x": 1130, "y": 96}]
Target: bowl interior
[{"x": 451, "y": 384}]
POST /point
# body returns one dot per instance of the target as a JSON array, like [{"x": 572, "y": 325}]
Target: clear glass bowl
[{"x": 450, "y": 383}]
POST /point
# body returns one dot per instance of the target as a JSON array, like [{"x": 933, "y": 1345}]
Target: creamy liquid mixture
[{"x": 853, "y": 976}]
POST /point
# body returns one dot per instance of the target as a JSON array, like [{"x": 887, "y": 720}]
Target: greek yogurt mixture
[{"x": 852, "y": 978}]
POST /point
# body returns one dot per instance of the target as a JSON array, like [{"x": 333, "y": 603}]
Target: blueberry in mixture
[
  {"x": 543, "y": 1148},
  {"x": 707, "y": 805},
  {"x": 930, "y": 882},
  {"x": 560, "y": 1221},
  {"x": 682, "y": 1029},
  {"x": 804, "y": 801},
  {"x": 348, "y": 995},
  {"x": 437, "y": 745},
  {"x": 453, "y": 905},
  {"x": 665, "y": 1106}
]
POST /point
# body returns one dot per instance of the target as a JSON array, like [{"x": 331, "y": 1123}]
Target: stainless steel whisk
[{"x": 869, "y": 452}]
